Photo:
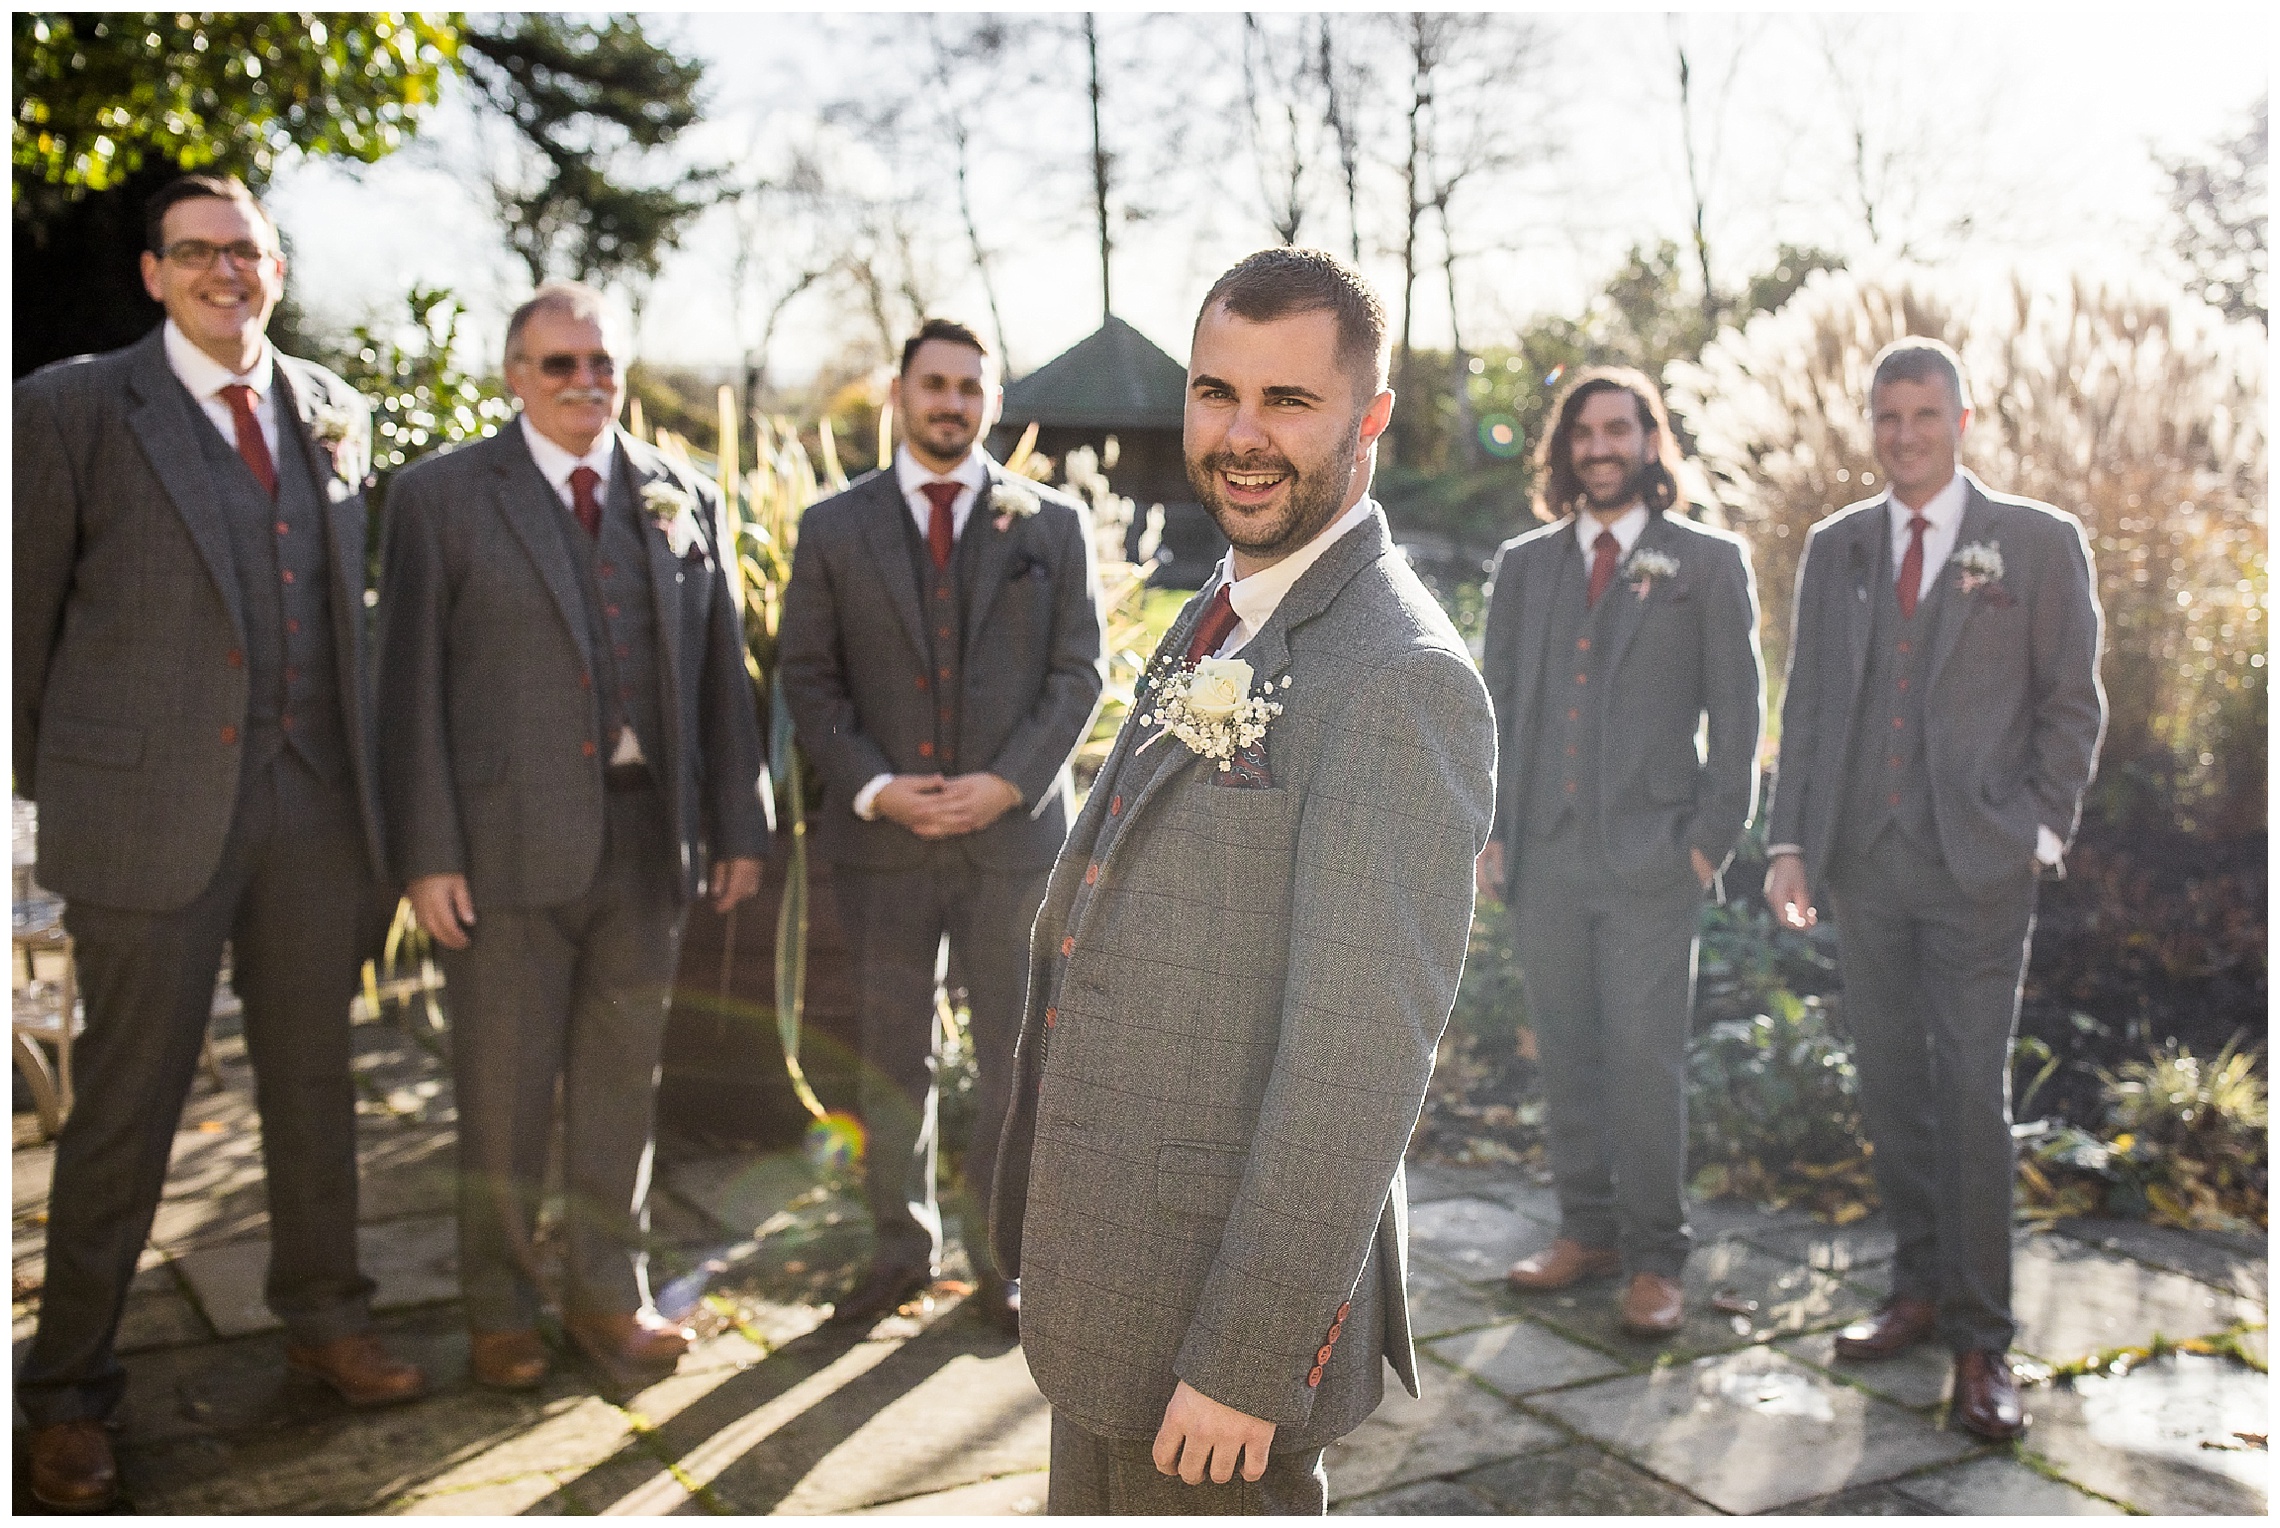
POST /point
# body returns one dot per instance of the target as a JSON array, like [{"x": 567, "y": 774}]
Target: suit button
[
  {"x": 941, "y": 594},
  {"x": 282, "y": 528},
  {"x": 1571, "y": 750},
  {"x": 1115, "y": 806},
  {"x": 287, "y": 575},
  {"x": 1897, "y": 724},
  {"x": 926, "y": 750},
  {"x": 1322, "y": 1354},
  {"x": 608, "y": 571},
  {"x": 1569, "y": 787},
  {"x": 1903, "y": 684},
  {"x": 285, "y": 722},
  {"x": 1343, "y": 1310},
  {"x": 1092, "y": 872},
  {"x": 942, "y": 673},
  {"x": 1583, "y": 644},
  {"x": 1335, "y": 1328},
  {"x": 1052, "y": 1015},
  {"x": 943, "y": 632},
  {"x": 293, "y": 626},
  {"x": 624, "y": 651},
  {"x": 1894, "y": 761},
  {"x": 1582, "y": 678},
  {"x": 610, "y": 611},
  {"x": 625, "y": 692},
  {"x": 235, "y": 659},
  {"x": 1894, "y": 798},
  {"x": 229, "y": 734},
  {"x": 1314, "y": 1376},
  {"x": 947, "y": 713},
  {"x": 920, "y": 681},
  {"x": 587, "y": 748},
  {"x": 1068, "y": 944},
  {"x": 585, "y": 681},
  {"x": 1904, "y": 647},
  {"x": 292, "y": 672},
  {"x": 1573, "y": 713}
]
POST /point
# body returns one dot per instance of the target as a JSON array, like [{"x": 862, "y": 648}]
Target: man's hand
[
  {"x": 1704, "y": 871},
  {"x": 732, "y": 880},
  {"x": 1786, "y": 893},
  {"x": 444, "y": 908},
  {"x": 1488, "y": 871},
  {"x": 908, "y": 800},
  {"x": 970, "y": 803},
  {"x": 1199, "y": 1433}
]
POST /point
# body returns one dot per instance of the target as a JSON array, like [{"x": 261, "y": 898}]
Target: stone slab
[
  {"x": 2160, "y": 1438},
  {"x": 1510, "y": 1186},
  {"x": 1841, "y": 1250},
  {"x": 1020, "y": 1495},
  {"x": 1714, "y": 1219},
  {"x": 215, "y": 1160},
  {"x": 1753, "y": 1430},
  {"x": 1917, "y": 1379},
  {"x": 1867, "y": 1501},
  {"x": 159, "y": 1318},
  {"x": 415, "y": 1262},
  {"x": 29, "y": 1169},
  {"x": 1519, "y": 1358},
  {"x": 2235, "y": 1263},
  {"x": 1455, "y": 1426},
  {"x": 1789, "y": 1297},
  {"x": 742, "y": 1193},
  {"x": 1580, "y": 1480},
  {"x": 2073, "y": 1301},
  {"x": 1441, "y": 1302},
  {"x": 1475, "y": 1239},
  {"x": 530, "y": 1496},
  {"x": 406, "y": 1172},
  {"x": 2000, "y": 1487},
  {"x": 1427, "y": 1498}
]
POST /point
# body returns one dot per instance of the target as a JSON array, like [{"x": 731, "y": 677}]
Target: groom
[{"x": 1243, "y": 963}]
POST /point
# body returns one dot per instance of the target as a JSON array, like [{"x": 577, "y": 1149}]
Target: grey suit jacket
[
  {"x": 1684, "y": 650},
  {"x": 2013, "y": 710},
  {"x": 128, "y": 616},
  {"x": 1222, "y": 1058},
  {"x": 851, "y": 645},
  {"x": 491, "y": 753}
]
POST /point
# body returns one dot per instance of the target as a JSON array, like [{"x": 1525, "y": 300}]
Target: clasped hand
[
  {"x": 936, "y": 806},
  {"x": 1199, "y": 1435}
]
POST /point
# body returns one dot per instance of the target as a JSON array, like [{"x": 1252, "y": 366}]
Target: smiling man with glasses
[{"x": 569, "y": 749}]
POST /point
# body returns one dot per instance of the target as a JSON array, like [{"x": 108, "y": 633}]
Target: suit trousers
[
  {"x": 1609, "y": 979},
  {"x": 295, "y": 899},
  {"x": 573, "y": 995},
  {"x": 1932, "y": 978},
  {"x": 896, "y": 921},
  {"x": 1093, "y": 1476}
]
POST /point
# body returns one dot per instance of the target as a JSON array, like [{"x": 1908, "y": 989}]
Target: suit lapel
[
  {"x": 344, "y": 521},
  {"x": 533, "y": 513},
  {"x": 644, "y": 466},
  {"x": 1630, "y": 607},
  {"x": 160, "y": 416},
  {"x": 1956, "y": 607},
  {"x": 1864, "y": 580},
  {"x": 890, "y": 552},
  {"x": 1539, "y": 582},
  {"x": 993, "y": 555}
]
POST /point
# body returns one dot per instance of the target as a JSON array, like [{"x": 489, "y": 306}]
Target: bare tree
[
  {"x": 1287, "y": 111},
  {"x": 1701, "y": 112}
]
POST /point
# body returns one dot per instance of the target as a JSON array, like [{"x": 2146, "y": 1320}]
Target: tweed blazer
[
  {"x": 1235, "y": 994},
  {"x": 851, "y": 644},
  {"x": 129, "y": 623},
  {"x": 491, "y": 755},
  {"x": 2013, "y": 710},
  {"x": 1684, "y": 650}
]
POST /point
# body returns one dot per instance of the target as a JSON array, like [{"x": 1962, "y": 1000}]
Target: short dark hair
[
  {"x": 941, "y": 329},
  {"x": 1558, "y": 488},
  {"x": 1919, "y": 358},
  {"x": 191, "y": 188},
  {"x": 1276, "y": 283}
]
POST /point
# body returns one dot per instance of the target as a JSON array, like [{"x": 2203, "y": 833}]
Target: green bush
[{"x": 1774, "y": 1111}]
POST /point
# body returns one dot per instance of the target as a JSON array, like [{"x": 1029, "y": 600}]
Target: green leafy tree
[{"x": 2222, "y": 232}]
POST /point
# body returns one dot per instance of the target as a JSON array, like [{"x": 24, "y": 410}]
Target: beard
[
  {"x": 1316, "y": 494},
  {"x": 1632, "y": 488},
  {"x": 947, "y": 437}
]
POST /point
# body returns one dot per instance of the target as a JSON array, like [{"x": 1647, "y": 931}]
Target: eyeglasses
[
  {"x": 563, "y": 365},
  {"x": 198, "y": 255}
]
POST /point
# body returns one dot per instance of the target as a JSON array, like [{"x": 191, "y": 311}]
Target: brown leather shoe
[
  {"x": 998, "y": 1302},
  {"x": 1898, "y": 1325},
  {"x": 1986, "y": 1396},
  {"x": 1563, "y": 1263},
  {"x": 634, "y": 1339},
  {"x": 883, "y": 1288},
  {"x": 359, "y": 1368},
  {"x": 1653, "y": 1306},
  {"x": 506, "y": 1360},
  {"x": 72, "y": 1467}
]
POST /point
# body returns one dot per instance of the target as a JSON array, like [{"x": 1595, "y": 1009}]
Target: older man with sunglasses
[{"x": 569, "y": 753}]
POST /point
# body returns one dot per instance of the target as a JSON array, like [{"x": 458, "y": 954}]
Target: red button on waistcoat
[
  {"x": 587, "y": 748},
  {"x": 943, "y": 672},
  {"x": 610, "y": 610},
  {"x": 235, "y": 659},
  {"x": 287, "y": 575},
  {"x": 1115, "y": 805},
  {"x": 1092, "y": 872},
  {"x": 1894, "y": 798},
  {"x": 1052, "y": 1016},
  {"x": 920, "y": 682},
  {"x": 1583, "y": 644},
  {"x": 1904, "y": 647},
  {"x": 292, "y": 671},
  {"x": 1573, "y": 713},
  {"x": 585, "y": 681},
  {"x": 229, "y": 734},
  {"x": 1897, "y": 724},
  {"x": 1569, "y": 787},
  {"x": 1068, "y": 944},
  {"x": 1314, "y": 1376},
  {"x": 943, "y": 632},
  {"x": 293, "y": 626},
  {"x": 285, "y": 722},
  {"x": 1903, "y": 684},
  {"x": 1582, "y": 678},
  {"x": 608, "y": 571},
  {"x": 282, "y": 528},
  {"x": 926, "y": 750}
]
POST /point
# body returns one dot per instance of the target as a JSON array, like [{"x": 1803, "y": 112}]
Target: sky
[{"x": 2038, "y": 127}]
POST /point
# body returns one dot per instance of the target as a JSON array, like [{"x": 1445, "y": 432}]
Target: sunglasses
[
  {"x": 563, "y": 365},
  {"x": 198, "y": 255}
]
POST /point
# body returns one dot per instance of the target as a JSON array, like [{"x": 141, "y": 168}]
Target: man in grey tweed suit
[
  {"x": 941, "y": 656},
  {"x": 1941, "y": 722},
  {"x": 194, "y": 718},
  {"x": 568, "y": 750},
  {"x": 1614, "y": 635},
  {"x": 1243, "y": 964}
]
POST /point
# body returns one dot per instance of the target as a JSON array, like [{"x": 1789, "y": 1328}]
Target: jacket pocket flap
[
  {"x": 1197, "y": 1178},
  {"x": 88, "y": 742}
]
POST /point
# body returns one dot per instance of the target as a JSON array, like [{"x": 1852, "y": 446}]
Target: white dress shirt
[
  {"x": 1626, "y": 530},
  {"x": 205, "y": 377},
  {"x": 1254, "y": 599},
  {"x": 555, "y": 463},
  {"x": 1945, "y": 512}
]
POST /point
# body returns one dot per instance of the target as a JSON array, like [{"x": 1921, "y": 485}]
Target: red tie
[
  {"x": 250, "y": 443},
  {"x": 1218, "y": 620},
  {"x": 941, "y": 496},
  {"x": 1912, "y": 565},
  {"x": 1602, "y": 566},
  {"x": 583, "y": 503}
]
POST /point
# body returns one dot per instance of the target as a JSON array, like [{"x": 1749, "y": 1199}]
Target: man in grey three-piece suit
[
  {"x": 1247, "y": 953},
  {"x": 568, "y": 750},
  {"x": 194, "y": 719},
  {"x": 941, "y": 656},
  {"x": 1614, "y": 635},
  {"x": 1941, "y": 722}
]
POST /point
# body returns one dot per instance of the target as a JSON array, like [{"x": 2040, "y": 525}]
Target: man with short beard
[
  {"x": 1613, "y": 634},
  {"x": 941, "y": 656},
  {"x": 1247, "y": 954}
]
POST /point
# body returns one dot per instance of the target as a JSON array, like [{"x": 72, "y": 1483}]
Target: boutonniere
[
  {"x": 673, "y": 509},
  {"x": 1009, "y": 503},
  {"x": 345, "y": 431},
  {"x": 1211, "y": 709},
  {"x": 1644, "y": 566},
  {"x": 1980, "y": 566}
]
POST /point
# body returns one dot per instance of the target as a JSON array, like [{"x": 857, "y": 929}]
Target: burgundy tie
[
  {"x": 1912, "y": 565},
  {"x": 583, "y": 502},
  {"x": 250, "y": 443},
  {"x": 1218, "y": 620},
  {"x": 1602, "y": 566},
  {"x": 938, "y": 538}
]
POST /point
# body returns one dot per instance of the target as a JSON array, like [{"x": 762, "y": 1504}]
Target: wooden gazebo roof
[{"x": 1113, "y": 379}]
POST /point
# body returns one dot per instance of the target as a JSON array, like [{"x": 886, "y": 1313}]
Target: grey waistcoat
[
  {"x": 1563, "y": 774},
  {"x": 1888, "y": 778},
  {"x": 621, "y": 617}
]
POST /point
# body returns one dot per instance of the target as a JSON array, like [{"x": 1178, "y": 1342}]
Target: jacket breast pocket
[
  {"x": 106, "y": 745},
  {"x": 1197, "y": 1178}
]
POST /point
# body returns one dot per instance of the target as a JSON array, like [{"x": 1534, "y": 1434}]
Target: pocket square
[{"x": 1247, "y": 771}]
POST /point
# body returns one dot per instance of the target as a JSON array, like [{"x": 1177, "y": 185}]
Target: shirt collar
[
  {"x": 1627, "y": 528},
  {"x": 1256, "y": 597},
  {"x": 1944, "y": 509},
  {"x": 910, "y": 476},
  {"x": 204, "y": 375},
  {"x": 555, "y": 464}
]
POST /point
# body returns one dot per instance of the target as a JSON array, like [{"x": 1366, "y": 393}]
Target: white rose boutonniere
[
  {"x": 674, "y": 509},
  {"x": 1644, "y": 566},
  {"x": 345, "y": 431},
  {"x": 1211, "y": 709},
  {"x": 1009, "y": 502},
  {"x": 1980, "y": 566}
]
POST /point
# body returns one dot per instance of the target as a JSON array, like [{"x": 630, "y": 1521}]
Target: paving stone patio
[{"x": 1532, "y": 1404}]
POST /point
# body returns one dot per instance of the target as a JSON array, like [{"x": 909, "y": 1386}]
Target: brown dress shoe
[
  {"x": 72, "y": 1468},
  {"x": 998, "y": 1303},
  {"x": 1986, "y": 1396},
  {"x": 506, "y": 1360},
  {"x": 634, "y": 1340},
  {"x": 359, "y": 1368},
  {"x": 1898, "y": 1325},
  {"x": 1563, "y": 1263},
  {"x": 1653, "y": 1306},
  {"x": 883, "y": 1288}
]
